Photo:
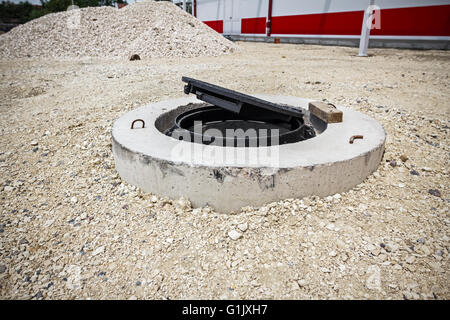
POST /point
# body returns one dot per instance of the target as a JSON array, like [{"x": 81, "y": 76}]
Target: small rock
[
  {"x": 138, "y": 283},
  {"x": 34, "y": 143},
  {"x": 292, "y": 220},
  {"x": 414, "y": 172},
  {"x": 404, "y": 158},
  {"x": 98, "y": 250},
  {"x": 302, "y": 282},
  {"x": 135, "y": 57},
  {"x": 392, "y": 285},
  {"x": 425, "y": 250},
  {"x": 8, "y": 188},
  {"x": 2, "y": 268},
  {"x": 391, "y": 247},
  {"x": 74, "y": 199},
  {"x": 393, "y": 163},
  {"x": 373, "y": 281},
  {"x": 435, "y": 192},
  {"x": 234, "y": 235},
  {"x": 183, "y": 203},
  {"x": 410, "y": 259},
  {"x": 407, "y": 295},
  {"x": 243, "y": 226}
]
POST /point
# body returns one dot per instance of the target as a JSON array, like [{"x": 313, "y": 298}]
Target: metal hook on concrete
[
  {"x": 330, "y": 104},
  {"x": 143, "y": 123},
  {"x": 352, "y": 138}
]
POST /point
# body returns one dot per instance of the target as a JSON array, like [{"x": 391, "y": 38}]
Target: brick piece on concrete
[{"x": 325, "y": 111}]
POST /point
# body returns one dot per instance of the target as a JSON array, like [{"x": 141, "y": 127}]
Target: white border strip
[{"x": 332, "y": 36}]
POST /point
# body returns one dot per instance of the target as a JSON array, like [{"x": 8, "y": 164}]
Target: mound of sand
[{"x": 149, "y": 29}]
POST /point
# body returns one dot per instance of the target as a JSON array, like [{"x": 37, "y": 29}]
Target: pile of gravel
[{"x": 149, "y": 29}]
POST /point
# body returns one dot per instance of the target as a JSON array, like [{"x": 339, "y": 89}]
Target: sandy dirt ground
[{"x": 70, "y": 228}]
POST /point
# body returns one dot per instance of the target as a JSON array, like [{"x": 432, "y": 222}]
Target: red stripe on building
[
  {"x": 253, "y": 25},
  {"x": 416, "y": 21},
  {"x": 412, "y": 21},
  {"x": 339, "y": 23},
  {"x": 216, "y": 25}
]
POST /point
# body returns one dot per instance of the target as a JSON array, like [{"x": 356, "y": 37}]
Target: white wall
[
  {"x": 209, "y": 10},
  {"x": 296, "y": 7},
  {"x": 214, "y": 9}
]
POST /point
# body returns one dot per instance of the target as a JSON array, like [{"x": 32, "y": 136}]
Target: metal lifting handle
[{"x": 140, "y": 120}]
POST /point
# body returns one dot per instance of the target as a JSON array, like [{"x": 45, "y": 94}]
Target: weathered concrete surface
[{"x": 324, "y": 165}]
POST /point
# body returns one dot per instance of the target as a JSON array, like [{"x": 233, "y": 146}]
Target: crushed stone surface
[
  {"x": 148, "y": 29},
  {"x": 70, "y": 228}
]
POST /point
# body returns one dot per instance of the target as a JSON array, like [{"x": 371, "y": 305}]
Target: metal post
[
  {"x": 269, "y": 19},
  {"x": 365, "y": 30},
  {"x": 184, "y": 5}
]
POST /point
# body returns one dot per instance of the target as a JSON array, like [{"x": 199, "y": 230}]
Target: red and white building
[{"x": 397, "y": 23}]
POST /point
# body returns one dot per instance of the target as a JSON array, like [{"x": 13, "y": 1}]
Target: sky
[{"x": 30, "y": 1}]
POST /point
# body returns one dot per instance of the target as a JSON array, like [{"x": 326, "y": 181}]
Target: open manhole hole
[
  {"x": 234, "y": 119},
  {"x": 203, "y": 147}
]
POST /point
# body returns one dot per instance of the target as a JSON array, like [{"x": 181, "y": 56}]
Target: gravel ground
[{"x": 70, "y": 228}]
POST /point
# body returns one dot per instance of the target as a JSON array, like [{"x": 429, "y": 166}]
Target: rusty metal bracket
[
  {"x": 140, "y": 120},
  {"x": 352, "y": 138}
]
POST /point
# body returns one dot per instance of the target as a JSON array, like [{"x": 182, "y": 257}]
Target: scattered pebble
[
  {"x": 243, "y": 226},
  {"x": 434, "y": 192},
  {"x": 135, "y": 57},
  {"x": 234, "y": 235},
  {"x": 98, "y": 250}
]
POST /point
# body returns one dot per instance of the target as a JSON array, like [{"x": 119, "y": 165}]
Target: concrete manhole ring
[{"x": 208, "y": 175}]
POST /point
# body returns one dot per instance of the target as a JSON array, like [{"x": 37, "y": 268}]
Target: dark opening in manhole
[{"x": 233, "y": 119}]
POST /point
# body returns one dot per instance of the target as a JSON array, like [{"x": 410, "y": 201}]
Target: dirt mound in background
[{"x": 149, "y": 29}]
